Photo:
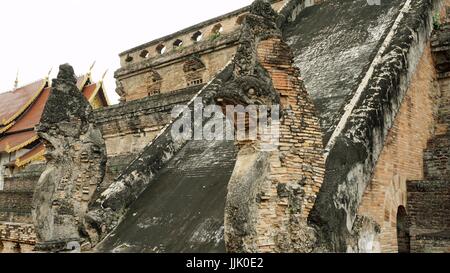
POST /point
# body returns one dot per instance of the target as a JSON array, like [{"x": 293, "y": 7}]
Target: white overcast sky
[{"x": 37, "y": 35}]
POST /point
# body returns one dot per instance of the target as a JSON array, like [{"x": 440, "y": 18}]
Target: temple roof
[
  {"x": 35, "y": 153},
  {"x": 14, "y": 142},
  {"x": 84, "y": 80},
  {"x": 23, "y": 111},
  {"x": 31, "y": 117},
  {"x": 14, "y": 103},
  {"x": 94, "y": 90}
]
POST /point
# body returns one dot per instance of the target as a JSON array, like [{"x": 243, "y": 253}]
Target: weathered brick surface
[
  {"x": 16, "y": 197},
  {"x": 114, "y": 166},
  {"x": 301, "y": 136},
  {"x": 429, "y": 210},
  {"x": 437, "y": 154},
  {"x": 297, "y": 169},
  {"x": 437, "y": 158},
  {"x": 173, "y": 77},
  {"x": 402, "y": 156},
  {"x": 15, "y": 204},
  {"x": 21, "y": 183},
  {"x": 431, "y": 243},
  {"x": 23, "y": 233},
  {"x": 17, "y": 238},
  {"x": 429, "y": 200},
  {"x": 24, "y": 178}
]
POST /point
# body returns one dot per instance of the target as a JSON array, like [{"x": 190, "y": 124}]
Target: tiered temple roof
[{"x": 21, "y": 110}]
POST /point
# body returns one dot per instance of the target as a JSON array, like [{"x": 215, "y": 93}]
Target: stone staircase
[{"x": 429, "y": 200}]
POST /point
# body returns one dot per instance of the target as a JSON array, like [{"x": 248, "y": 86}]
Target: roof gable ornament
[
  {"x": 16, "y": 82},
  {"x": 104, "y": 75},
  {"x": 48, "y": 76},
  {"x": 49, "y": 72},
  {"x": 91, "y": 68}
]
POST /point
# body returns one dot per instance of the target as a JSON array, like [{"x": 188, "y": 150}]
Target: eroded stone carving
[
  {"x": 76, "y": 159},
  {"x": 120, "y": 90}
]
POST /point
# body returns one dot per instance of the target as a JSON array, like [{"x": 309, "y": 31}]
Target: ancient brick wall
[
  {"x": 23, "y": 182},
  {"x": 402, "y": 157},
  {"x": 437, "y": 154},
  {"x": 428, "y": 200},
  {"x": 16, "y": 197},
  {"x": 128, "y": 127},
  {"x": 15, "y": 206},
  {"x": 171, "y": 73},
  {"x": 16, "y": 229},
  {"x": 284, "y": 181},
  {"x": 297, "y": 170},
  {"x": 17, "y": 238},
  {"x": 158, "y": 66},
  {"x": 432, "y": 243}
]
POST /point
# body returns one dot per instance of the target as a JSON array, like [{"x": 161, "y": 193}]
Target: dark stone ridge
[
  {"x": 182, "y": 210},
  {"x": 106, "y": 212},
  {"x": 334, "y": 44}
]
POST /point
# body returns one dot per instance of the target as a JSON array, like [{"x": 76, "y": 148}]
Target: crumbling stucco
[{"x": 76, "y": 158}]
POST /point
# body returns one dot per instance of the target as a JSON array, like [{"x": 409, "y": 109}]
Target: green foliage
[
  {"x": 215, "y": 36},
  {"x": 437, "y": 21},
  {"x": 179, "y": 48}
]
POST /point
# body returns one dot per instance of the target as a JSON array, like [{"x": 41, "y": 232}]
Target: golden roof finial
[
  {"x": 47, "y": 78},
  {"x": 92, "y": 67},
  {"x": 16, "y": 82},
  {"x": 104, "y": 75},
  {"x": 49, "y": 72}
]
